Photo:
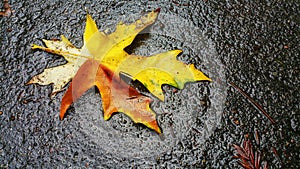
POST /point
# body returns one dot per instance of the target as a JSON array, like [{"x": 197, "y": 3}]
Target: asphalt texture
[{"x": 252, "y": 44}]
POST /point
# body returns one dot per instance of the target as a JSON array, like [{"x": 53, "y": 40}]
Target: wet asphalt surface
[{"x": 255, "y": 45}]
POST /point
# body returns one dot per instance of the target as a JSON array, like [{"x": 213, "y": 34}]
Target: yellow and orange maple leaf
[{"x": 102, "y": 58}]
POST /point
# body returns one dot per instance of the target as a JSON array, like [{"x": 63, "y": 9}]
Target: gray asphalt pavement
[{"x": 253, "y": 44}]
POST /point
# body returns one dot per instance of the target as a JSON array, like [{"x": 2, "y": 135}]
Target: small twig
[
  {"x": 6, "y": 9},
  {"x": 259, "y": 107}
]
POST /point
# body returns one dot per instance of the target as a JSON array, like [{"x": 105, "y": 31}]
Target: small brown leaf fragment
[
  {"x": 256, "y": 136},
  {"x": 248, "y": 157},
  {"x": 236, "y": 121},
  {"x": 6, "y": 9}
]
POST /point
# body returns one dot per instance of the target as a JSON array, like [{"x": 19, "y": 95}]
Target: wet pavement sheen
[{"x": 253, "y": 44}]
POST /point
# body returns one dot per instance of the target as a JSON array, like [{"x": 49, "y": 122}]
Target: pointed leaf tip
[
  {"x": 90, "y": 28},
  {"x": 154, "y": 126},
  {"x": 34, "y": 46}
]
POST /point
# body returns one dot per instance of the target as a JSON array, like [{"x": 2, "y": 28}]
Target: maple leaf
[
  {"x": 108, "y": 52},
  {"x": 117, "y": 96}
]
